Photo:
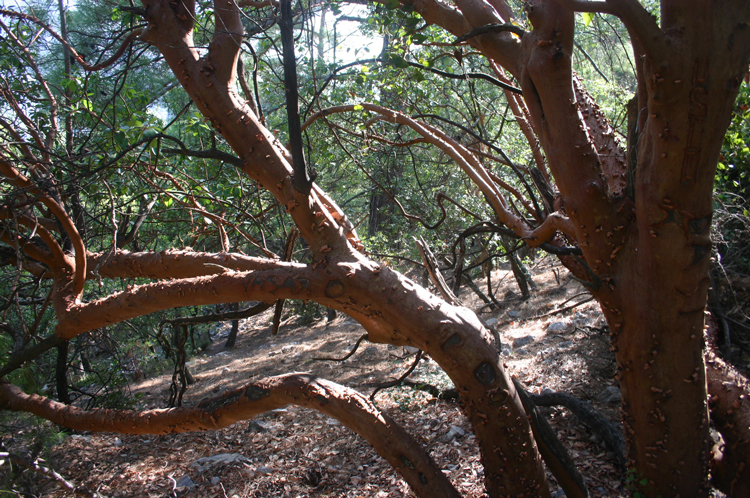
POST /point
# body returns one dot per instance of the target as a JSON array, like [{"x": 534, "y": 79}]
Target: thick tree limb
[
  {"x": 287, "y": 280},
  {"x": 348, "y": 406},
  {"x": 174, "y": 264}
]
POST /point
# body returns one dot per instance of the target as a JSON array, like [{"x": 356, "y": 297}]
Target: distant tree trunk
[
  {"x": 232, "y": 338},
  {"x": 377, "y": 218},
  {"x": 61, "y": 373}
]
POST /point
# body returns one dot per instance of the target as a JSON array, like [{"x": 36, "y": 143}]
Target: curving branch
[
  {"x": 30, "y": 188},
  {"x": 346, "y": 405},
  {"x": 285, "y": 281},
  {"x": 639, "y": 22},
  {"x": 470, "y": 165},
  {"x": 53, "y": 104},
  {"x": 55, "y": 258},
  {"x": 85, "y": 65}
]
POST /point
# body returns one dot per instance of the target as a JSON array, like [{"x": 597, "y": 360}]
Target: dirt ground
[{"x": 295, "y": 452}]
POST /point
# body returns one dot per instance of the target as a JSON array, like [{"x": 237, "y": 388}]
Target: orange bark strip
[
  {"x": 285, "y": 281},
  {"x": 346, "y": 405},
  {"x": 174, "y": 264}
]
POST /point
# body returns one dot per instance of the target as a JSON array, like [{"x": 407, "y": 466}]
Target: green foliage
[{"x": 733, "y": 169}]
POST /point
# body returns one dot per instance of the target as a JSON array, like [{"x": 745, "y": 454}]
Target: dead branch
[
  {"x": 434, "y": 271},
  {"x": 175, "y": 264},
  {"x": 348, "y": 355},
  {"x": 47, "y": 472},
  {"x": 401, "y": 378}
]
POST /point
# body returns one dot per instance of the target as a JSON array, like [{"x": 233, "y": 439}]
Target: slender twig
[
  {"x": 398, "y": 381},
  {"x": 348, "y": 355}
]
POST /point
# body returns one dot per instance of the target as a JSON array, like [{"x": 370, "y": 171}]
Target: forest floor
[{"x": 296, "y": 452}]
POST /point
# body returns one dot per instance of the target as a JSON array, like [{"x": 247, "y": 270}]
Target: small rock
[
  {"x": 565, "y": 345},
  {"x": 411, "y": 349},
  {"x": 452, "y": 466},
  {"x": 117, "y": 442},
  {"x": 492, "y": 321},
  {"x": 520, "y": 352},
  {"x": 185, "y": 482},
  {"x": 370, "y": 350},
  {"x": 556, "y": 327},
  {"x": 559, "y": 493},
  {"x": 215, "y": 480},
  {"x": 522, "y": 341},
  {"x": 258, "y": 426},
  {"x": 454, "y": 432},
  {"x": 506, "y": 352},
  {"x": 611, "y": 395},
  {"x": 332, "y": 421},
  {"x": 205, "y": 463},
  {"x": 263, "y": 470},
  {"x": 513, "y": 314}
]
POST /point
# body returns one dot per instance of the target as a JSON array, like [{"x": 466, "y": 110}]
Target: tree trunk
[
  {"x": 61, "y": 373},
  {"x": 232, "y": 337}
]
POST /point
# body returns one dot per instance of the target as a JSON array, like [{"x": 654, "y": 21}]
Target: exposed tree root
[
  {"x": 346, "y": 405},
  {"x": 589, "y": 417},
  {"x": 555, "y": 455}
]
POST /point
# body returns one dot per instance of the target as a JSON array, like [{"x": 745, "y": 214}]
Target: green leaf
[
  {"x": 398, "y": 61},
  {"x": 587, "y": 18},
  {"x": 121, "y": 139},
  {"x": 358, "y": 107}
]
